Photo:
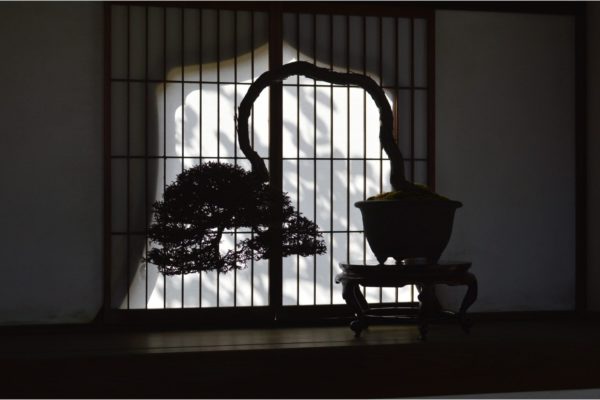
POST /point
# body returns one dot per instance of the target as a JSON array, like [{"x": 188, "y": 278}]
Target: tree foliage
[{"x": 211, "y": 198}]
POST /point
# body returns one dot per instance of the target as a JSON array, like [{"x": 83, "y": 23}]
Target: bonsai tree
[
  {"x": 421, "y": 220},
  {"x": 211, "y": 198}
]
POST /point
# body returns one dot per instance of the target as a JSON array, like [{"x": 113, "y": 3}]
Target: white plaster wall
[
  {"x": 51, "y": 162},
  {"x": 505, "y": 148},
  {"x": 593, "y": 155}
]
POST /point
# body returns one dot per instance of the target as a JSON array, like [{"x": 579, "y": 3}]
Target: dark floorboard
[{"x": 324, "y": 362}]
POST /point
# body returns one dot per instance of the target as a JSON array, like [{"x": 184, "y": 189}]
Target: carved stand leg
[
  {"x": 427, "y": 309},
  {"x": 468, "y": 300},
  {"x": 355, "y": 299}
]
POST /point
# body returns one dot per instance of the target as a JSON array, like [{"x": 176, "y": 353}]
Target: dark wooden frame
[
  {"x": 276, "y": 9},
  {"x": 581, "y": 191}
]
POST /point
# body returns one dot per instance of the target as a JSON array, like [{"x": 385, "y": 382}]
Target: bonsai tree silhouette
[
  {"x": 423, "y": 218},
  {"x": 211, "y": 198}
]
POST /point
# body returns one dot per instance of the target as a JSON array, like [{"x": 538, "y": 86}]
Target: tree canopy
[{"x": 211, "y": 198}]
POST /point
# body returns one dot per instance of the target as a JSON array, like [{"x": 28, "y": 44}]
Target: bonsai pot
[{"x": 408, "y": 228}]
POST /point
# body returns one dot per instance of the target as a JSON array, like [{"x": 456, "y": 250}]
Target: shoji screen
[
  {"x": 331, "y": 151},
  {"x": 177, "y": 76}
]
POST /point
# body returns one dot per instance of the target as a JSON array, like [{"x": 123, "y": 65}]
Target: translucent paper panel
[
  {"x": 420, "y": 52},
  {"x": 156, "y": 44},
  {"x": 210, "y": 119},
  {"x": 137, "y": 119},
  {"x": 119, "y": 39},
  {"x": 403, "y": 45},
  {"x": 322, "y": 51},
  {"x": 421, "y": 172},
  {"x": 156, "y": 284},
  {"x": 357, "y": 123},
  {"x": 372, "y": 294},
  {"x": 372, "y": 48},
  {"x": 307, "y": 189},
  {"x": 291, "y": 115},
  {"x": 404, "y": 122},
  {"x": 289, "y": 281},
  {"x": 323, "y": 194},
  {"x": 357, "y": 48},
  {"x": 372, "y": 142},
  {"x": 323, "y": 121},
  {"x": 324, "y": 275},
  {"x": 137, "y": 271},
  {"x": 259, "y": 125},
  {"x": 191, "y": 293},
  {"x": 357, "y": 186},
  {"x": 119, "y": 108},
  {"x": 420, "y": 133},
  {"x": 173, "y": 291},
  {"x": 226, "y": 124},
  {"x": 389, "y": 54},
  {"x": 243, "y": 281},
  {"x": 341, "y": 124},
  {"x": 191, "y": 138},
  {"x": 118, "y": 191},
  {"x": 174, "y": 40},
  {"x": 138, "y": 208},
  {"x": 137, "y": 42},
  {"x": 339, "y": 252},
  {"x": 119, "y": 278},
  {"x": 341, "y": 194},
  {"x": 260, "y": 281}
]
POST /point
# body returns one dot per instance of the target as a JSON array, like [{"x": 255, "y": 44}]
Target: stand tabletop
[{"x": 441, "y": 267}]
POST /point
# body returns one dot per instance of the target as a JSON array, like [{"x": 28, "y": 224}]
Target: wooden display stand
[{"x": 423, "y": 276}]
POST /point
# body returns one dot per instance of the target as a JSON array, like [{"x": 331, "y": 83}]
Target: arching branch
[{"x": 308, "y": 70}]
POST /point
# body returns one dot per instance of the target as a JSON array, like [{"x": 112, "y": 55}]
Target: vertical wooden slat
[
  {"x": 364, "y": 59},
  {"x": 218, "y": 38},
  {"x": 164, "y": 127},
  {"x": 298, "y": 152},
  {"x": 412, "y": 99},
  {"x": 252, "y": 141},
  {"x": 275, "y": 153},
  {"x": 581, "y": 268},
  {"x": 331, "y": 164},
  {"x": 431, "y": 101},
  {"x": 146, "y": 151},
  {"x": 314, "y": 33},
  {"x": 380, "y": 43},
  {"x": 107, "y": 207},
  {"x": 348, "y": 142},
  {"x": 235, "y": 160},
  {"x": 182, "y": 124},
  {"x": 396, "y": 100},
  {"x": 128, "y": 162},
  {"x": 200, "y": 61}
]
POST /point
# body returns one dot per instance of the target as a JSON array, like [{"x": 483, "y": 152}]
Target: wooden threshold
[{"x": 319, "y": 362}]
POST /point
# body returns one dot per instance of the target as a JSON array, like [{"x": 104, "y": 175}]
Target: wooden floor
[{"x": 388, "y": 361}]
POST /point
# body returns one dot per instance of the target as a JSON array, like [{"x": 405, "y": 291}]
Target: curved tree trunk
[{"x": 397, "y": 179}]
